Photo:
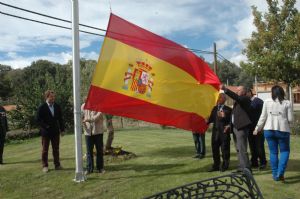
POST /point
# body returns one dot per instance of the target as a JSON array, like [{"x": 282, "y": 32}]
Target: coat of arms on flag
[{"x": 138, "y": 78}]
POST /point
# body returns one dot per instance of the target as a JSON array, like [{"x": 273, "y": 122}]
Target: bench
[{"x": 234, "y": 185}]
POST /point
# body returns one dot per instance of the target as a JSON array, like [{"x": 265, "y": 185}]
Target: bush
[{"x": 21, "y": 134}]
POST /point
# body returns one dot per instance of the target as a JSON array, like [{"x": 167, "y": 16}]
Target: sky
[{"x": 194, "y": 24}]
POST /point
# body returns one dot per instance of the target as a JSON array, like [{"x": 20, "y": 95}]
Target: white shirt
[
  {"x": 51, "y": 108},
  {"x": 275, "y": 116}
]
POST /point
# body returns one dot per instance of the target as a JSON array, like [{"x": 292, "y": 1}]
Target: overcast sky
[{"x": 191, "y": 23}]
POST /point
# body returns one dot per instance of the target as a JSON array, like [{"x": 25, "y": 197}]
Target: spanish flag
[{"x": 144, "y": 76}]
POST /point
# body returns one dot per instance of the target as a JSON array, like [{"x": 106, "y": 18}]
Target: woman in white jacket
[{"x": 275, "y": 120}]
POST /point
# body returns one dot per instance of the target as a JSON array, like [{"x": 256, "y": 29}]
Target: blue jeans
[
  {"x": 281, "y": 140},
  {"x": 199, "y": 140}
]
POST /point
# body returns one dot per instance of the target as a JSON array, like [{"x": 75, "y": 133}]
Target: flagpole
[{"x": 79, "y": 174}]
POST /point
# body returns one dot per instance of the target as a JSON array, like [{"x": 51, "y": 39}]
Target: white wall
[{"x": 264, "y": 95}]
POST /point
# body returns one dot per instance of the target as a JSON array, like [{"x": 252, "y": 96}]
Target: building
[{"x": 261, "y": 88}]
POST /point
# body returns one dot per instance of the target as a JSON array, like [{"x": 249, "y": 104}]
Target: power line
[
  {"x": 224, "y": 59},
  {"x": 49, "y": 24},
  {"x": 201, "y": 51},
  {"x": 128, "y": 37},
  {"x": 51, "y": 17},
  {"x": 88, "y": 26}
]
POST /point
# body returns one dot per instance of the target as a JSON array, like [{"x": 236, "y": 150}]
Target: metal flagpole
[{"x": 79, "y": 174}]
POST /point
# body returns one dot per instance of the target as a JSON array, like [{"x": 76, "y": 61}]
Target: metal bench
[{"x": 234, "y": 185}]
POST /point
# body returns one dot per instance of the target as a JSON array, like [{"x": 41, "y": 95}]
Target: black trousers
[
  {"x": 2, "y": 140},
  {"x": 220, "y": 140},
  {"x": 97, "y": 141},
  {"x": 257, "y": 149},
  {"x": 199, "y": 140}
]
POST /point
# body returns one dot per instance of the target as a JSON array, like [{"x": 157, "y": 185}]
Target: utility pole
[
  {"x": 215, "y": 59},
  {"x": 79, "y": 174}
]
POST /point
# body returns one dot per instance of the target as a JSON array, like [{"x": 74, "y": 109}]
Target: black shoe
[
  {"x": 201, "y": 156},
  {"x": 281, "y": 178},
  {"x": 224, "y": 168},
  {"x": 225, "y": 164},
  {"x": 255, "y": 165},
  {"x": 59, "y": 167}
]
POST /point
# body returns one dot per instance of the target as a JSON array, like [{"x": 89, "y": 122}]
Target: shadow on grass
[
  {"x": 292, "y": 180},
  {"x": 193, "y": 171},
  {"x": 176, "y": 151},
  {"x": 37, "y": 161},
  {"x": 142, "y": 167},
  {"x": 163, "y": 170},
  {"x": 293, "y": 166}
]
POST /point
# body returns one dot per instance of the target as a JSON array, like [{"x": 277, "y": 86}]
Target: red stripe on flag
[
  {"x": 169, "y": 51},
  {"x": 117, "y": 104}
]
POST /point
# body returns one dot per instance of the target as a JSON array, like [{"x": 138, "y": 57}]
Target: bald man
[{"x": 241, "y": 123}]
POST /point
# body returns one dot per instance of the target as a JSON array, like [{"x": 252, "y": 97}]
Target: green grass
[{"x": 164, "y": 160}]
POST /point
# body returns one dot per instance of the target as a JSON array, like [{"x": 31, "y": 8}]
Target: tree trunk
[{"x": 122, "y": 125}]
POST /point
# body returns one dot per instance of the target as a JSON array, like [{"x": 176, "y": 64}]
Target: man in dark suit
[
  {"x": 241, "y": 123},
  {"x": 49, "y": 118},
  {"x": 220, "y": 117},
  {"x": 3, "y": 130},
  {"x": 256, "y": 142}
]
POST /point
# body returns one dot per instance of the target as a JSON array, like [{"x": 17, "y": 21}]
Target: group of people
[
  {"x": 50, "y": 120},
  {"x": 250, "y": 121}
]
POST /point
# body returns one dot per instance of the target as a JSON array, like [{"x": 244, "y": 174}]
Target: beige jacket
[
  {"x": 94, "y": 122},
  {"x": 275, "y": 116}
]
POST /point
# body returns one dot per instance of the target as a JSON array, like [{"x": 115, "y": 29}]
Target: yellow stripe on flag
[{"x": 172, "y": 87}]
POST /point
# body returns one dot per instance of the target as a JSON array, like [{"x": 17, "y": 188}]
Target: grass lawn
[{"x": 164, "y": 160}]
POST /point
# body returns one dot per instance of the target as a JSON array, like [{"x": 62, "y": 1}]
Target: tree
[
  {"x": 87, "y": 68},
  {"x": 5, "y": 83},
  {"x": 228, "y": 72},
  {"x": 231, "y": 74},
  {"x": 245, "y": 79},
  {"x": 273, "y": 50},
  {"x": 33, "y": 81}
]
